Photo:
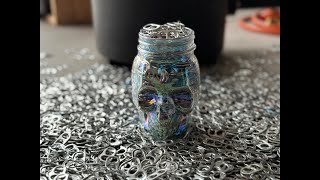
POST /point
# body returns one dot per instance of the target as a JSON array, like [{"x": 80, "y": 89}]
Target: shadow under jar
[{"x": 165, "y": 79}]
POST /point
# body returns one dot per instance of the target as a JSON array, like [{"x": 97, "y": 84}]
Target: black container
[
  {"x": 117, "y": 23},
  {"x": 44, "y": 7}
]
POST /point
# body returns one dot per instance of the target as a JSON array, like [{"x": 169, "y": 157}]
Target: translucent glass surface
[{"x": 165, "y": 91}]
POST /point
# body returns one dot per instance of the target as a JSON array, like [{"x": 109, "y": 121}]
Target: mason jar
[{"x": 165, "y": 79}]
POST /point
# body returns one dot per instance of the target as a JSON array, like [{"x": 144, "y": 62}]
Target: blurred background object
[
  {"x": 264, "y": 21},
  {"x": 117, "y": 23},
  {"x": 44, "y": 7},
  {"x": 114, "y": 32},
  {"x": 69, "y": 12}
]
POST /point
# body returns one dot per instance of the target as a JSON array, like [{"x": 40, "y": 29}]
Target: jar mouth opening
[
  {"x": 155, "y": 41},
  {"x": 191, "y": 34}
]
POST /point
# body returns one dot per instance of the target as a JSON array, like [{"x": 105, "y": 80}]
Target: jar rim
[
  {"x": 153, "y": 46},
  {"x": 191, "y": 34}
]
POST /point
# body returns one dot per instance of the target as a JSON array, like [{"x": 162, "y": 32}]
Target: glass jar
[{"x": 165, "y": 79}]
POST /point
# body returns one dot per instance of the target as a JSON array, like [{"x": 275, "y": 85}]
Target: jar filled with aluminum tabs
[{"x": 165, "y": 79}]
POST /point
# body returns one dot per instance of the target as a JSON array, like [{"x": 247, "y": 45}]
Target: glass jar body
[{"x": 165, "y": 90}]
